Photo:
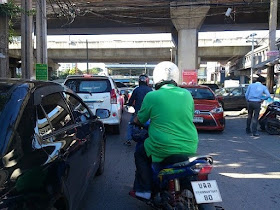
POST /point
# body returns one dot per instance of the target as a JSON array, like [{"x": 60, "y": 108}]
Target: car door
[
  {"x": 236, "y": 98},
  {"x": 54, "y": 117},
  {"x": 88, "y": 129}
]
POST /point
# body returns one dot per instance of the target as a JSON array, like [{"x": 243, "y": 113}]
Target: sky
[{"x": 162, "y": 36}]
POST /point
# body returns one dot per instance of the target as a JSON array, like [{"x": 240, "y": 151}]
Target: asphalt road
[{"x": 246, "y": 169}]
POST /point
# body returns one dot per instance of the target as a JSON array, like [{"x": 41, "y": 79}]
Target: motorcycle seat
[{"x": 191, "y": 159}]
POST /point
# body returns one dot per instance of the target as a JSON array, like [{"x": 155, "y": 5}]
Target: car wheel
[{"x": 100, "y": 169}]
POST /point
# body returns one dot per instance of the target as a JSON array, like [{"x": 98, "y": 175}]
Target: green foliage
[
  {"x": 10, "y": 9},
  {"x": 93, "y": 71},
  {"x": 13, "y": 11}
]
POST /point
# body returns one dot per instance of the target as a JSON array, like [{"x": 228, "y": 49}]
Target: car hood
[{"x": 205, "y": 105}]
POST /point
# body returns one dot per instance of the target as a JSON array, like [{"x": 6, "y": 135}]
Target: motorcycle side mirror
[{"x": 130, "y": 109}]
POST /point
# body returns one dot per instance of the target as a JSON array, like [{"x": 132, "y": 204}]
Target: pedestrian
[
  {"x": 170, "y": 110},
  {"x": 255, "y": 94},
  {"x": 136, "y": 100}
]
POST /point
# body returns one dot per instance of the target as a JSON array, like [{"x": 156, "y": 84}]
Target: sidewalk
[{"x": 235, "y": 113}]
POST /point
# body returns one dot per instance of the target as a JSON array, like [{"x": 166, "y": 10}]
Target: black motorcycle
[{"x": 270, "y": 120}]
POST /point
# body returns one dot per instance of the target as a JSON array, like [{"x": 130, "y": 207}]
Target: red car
[{"x": 209, "y": 113}]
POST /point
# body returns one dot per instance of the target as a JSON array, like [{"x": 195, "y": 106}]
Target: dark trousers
[
  {"x": 253, "y": 115},
  {"x": 143, "y": 174}
]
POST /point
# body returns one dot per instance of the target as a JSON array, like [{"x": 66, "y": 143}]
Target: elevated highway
[
  {"x": 149, "y": 16},
  {"x": 138, "y": 51}
]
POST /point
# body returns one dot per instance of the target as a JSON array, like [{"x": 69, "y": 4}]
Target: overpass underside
[{"x": 184, "y": 19}]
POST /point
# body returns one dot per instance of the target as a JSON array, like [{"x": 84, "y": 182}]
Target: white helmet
[{"x": 166, "y": 71}]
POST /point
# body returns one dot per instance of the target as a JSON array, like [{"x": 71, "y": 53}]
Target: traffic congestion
[{"x": 55, "y": 141}]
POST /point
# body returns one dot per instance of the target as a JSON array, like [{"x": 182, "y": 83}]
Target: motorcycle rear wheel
[{"x": 271, "y": 128}]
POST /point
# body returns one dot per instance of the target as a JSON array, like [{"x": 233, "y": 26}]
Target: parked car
[
  {"x": 213, "y": 87},
  {"x": 51, "y": 146},
  {"x": 99, "y": 93},
  {"x": 233, "y": 97},
  {"x": 208, "y": 114}
]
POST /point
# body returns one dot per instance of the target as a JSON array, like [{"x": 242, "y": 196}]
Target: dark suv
[{"x": 50, "y": 143}]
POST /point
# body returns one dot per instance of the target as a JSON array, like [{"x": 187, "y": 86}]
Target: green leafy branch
[{"x": 12, "y": 10}]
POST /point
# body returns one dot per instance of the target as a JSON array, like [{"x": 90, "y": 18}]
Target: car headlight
[{"x": 217, "y": 110}]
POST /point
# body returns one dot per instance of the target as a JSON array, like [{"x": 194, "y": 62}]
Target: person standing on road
[
  {"x": 255, "y": 95},
  {"x": 171, "y": 130},
  {"x": 136, "y": 100}
]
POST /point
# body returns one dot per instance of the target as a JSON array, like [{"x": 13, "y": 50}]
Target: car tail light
[{"x": 113, "y": 96}]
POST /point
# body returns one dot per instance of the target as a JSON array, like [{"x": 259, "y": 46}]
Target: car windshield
[
  {"x": 201, "y": 93},
  {"x": 120, "y": 85},
  {"x": 89, "y": 86},
  {"x": 6, "y": 91},
  {"x": 224, "y": 91}
]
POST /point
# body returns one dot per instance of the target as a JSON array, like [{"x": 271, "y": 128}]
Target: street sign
[
  {"x": 189, "y": 77},
  {"x": 272, "y": 53},
  {"x": 41, "y": 72}
]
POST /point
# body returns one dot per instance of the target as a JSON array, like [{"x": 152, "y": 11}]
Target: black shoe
[{"x": 256, "y": 134}]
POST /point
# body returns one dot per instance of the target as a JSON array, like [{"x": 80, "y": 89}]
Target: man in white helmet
[{"x": 171, "y": 131}]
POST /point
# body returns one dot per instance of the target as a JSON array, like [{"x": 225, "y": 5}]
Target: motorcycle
[
  {"x": 270, "y": 120},
  {"x": 181, "y": 182}
]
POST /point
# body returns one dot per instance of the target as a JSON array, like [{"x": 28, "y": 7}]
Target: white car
[{"x": 99, "y": 93}]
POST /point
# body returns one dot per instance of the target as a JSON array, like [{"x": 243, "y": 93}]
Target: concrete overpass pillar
[
  {"x": 27, "y": 66},
  {"x": 41, "y": 32},
  {"x": 4, "y": 40},
  {"x": 188, "y": 19}
]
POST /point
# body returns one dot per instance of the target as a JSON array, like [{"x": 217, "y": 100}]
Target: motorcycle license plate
[
  {"x": 206, "y": 191},
  {"x": 198, "y": 119}
]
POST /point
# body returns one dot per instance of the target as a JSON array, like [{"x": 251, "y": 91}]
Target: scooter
[
  {"x": 181, "y": 182},
  {"x": 270, "y": 120}
]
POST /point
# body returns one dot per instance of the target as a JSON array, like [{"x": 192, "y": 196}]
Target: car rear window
[
  {"x": 201, "y": 93},
  {"x": 89, "y": 86}
]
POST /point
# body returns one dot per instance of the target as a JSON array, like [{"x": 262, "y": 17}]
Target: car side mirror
[
  {"x": 220, "y": 98},
  {"x": 102, "y": 113}
]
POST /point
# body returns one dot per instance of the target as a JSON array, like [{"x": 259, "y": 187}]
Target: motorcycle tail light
[
  {"x": 202, "y": 170},
  {"x": 203, "y": 173}
]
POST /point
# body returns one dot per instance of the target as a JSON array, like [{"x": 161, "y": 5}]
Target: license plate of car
[
  {"x": 198, "y": 119},
  {"x": 206, "y": 191}
]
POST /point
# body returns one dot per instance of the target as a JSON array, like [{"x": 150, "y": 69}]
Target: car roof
[
  {"x": 195, "y": 86},
  {"x": 36, "y": 83},
  {"x": 87, "y": 76}
]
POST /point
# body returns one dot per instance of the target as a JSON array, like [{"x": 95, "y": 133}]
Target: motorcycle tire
[
  {"x": 262, "y": 125},
  {"x": 206, "y": 206},
  {"x": 272, "y": 128}
]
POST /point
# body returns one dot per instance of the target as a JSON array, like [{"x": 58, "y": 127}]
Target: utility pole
[
  {"x": 252, "y": 55},
  {"x": 272, "y": 42},
  {"x": 87, "y": 56}
]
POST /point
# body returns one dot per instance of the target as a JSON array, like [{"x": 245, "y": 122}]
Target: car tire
[{"x": 100, "y": 169}]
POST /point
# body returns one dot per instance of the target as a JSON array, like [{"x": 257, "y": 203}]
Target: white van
[{"x": 99, "y": 93}]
